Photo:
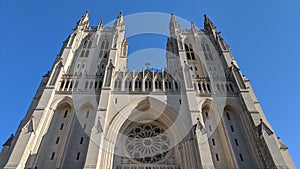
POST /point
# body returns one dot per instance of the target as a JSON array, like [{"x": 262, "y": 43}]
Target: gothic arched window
[
  {"x": 117, "y": 84},
  {"x": 138, "y": 84},
  {"x": 72, "y": 40},
  {"x": 104, "y": 49},
  {"x": 206, "y": 51},
  {"x": 87, "y": 44},
  {"x": 128, "y": 84},
  {"x": 168, "y": 85},
  {"x": 148, "y": 84},
  {"x": 190, "y": 55},
  {"x": 177, "y": 85},
  {"x": 158, "y": 84},
  {"x": 199, "y": 86}
]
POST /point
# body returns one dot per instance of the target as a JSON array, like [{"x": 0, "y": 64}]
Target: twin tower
[{"x": 91, "y": 112}]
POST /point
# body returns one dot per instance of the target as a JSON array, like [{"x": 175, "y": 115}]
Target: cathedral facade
[{"x": 91, "y": 112}]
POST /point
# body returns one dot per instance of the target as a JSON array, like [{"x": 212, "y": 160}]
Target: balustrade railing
[
  {"x": 76, "y": 83},
  {"x": 146, "y": 166},
  {"x": 204, "y": 86}
]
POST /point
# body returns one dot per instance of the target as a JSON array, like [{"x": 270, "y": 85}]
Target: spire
[
  {"x": 84, "y": 18},
  {"x": 174, "y": 26},
  {"x": 100, "y": 24},
  {"x": 119, "y": 23},
  {"x": 84, "y": 21},
  {"x": 173, "y": 19},
  {"x": 208, "y": 22},
  {"x": 210, "y": 27},
  {"x": 120, "y": 19},
  {"x": 120, "y": 15},
  {"x": 193, "y": 27}
]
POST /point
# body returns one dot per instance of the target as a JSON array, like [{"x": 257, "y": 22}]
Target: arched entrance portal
[{"x": 150, "y": 138}]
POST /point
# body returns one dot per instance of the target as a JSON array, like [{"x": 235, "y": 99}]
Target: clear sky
[{"x": 263, "y": 35}]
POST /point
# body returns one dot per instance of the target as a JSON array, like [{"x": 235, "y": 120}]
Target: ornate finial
[
  {"x": 120, "y": 15},
  {"x": 84, "y": 21},
  {"x": 208, "y": 23},
  {"x": 172, "y": 17},
  {"x": 100, "y": 24},
  {"x": 173, "y": 26},
  {"x": 192, "y": 26}
]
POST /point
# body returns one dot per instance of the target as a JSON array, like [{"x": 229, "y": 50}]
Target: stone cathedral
[{"x": 91, "y": 112}]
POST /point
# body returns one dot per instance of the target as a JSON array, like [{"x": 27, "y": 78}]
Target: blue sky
[{"x": 263, "y": 35}]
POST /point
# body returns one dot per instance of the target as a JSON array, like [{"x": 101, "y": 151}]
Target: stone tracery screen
[{"x": 147, "y": 143}]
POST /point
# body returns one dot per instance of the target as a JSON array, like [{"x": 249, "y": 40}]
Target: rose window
[{"x": 147, "y": 143}]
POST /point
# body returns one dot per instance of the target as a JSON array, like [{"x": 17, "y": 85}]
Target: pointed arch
[
  {"x": 60, "y": 120},
  {"x": 218, "y": 141},
  {"x": 118, "y": 81},
  {"x": 190, "y": 55},
  {"x": 104, "y": 47},
  {"x": 86, "y": 45},
  {"x": 128, "y": 82},
  {"x": 80, "y": 133},
  {"x": 138, "y": 111},
  {"x": 148, "y": 81},
  {"x": 138, "y": 82},
  {"x": 207, "y": 50},
  {"x": 82, "y": 101},
  {"x": 71, "y": 40},
  {"x": 237, "y": 134},
  {"x": 158, "y": 81},
  {"x": 61, "y": 101},
  {"x": 168, "y": 79}
]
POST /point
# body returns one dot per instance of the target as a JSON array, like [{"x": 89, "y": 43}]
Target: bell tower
[{"x": 90, "y": 111}]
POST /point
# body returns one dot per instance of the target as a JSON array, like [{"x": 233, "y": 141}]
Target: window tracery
[
  {"x": 147, "y": 143},
  {"x": 190, "y": 55},
  {"x": 207, "y": 51},
  {"x": 104, "y": 49},
  {"x": 87, "y": 44}
]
